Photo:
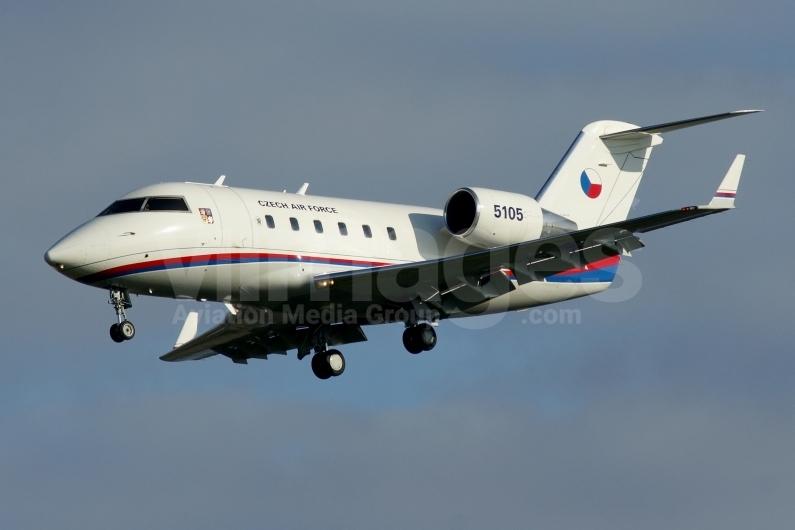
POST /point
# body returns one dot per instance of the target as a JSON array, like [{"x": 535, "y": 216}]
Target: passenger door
[{"x": 235, "y": 218}]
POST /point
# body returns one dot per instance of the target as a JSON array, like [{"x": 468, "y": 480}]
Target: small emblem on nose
[{"x": 206, "y": 215}]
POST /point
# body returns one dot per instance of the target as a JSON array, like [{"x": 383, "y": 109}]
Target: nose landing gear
[{"x": 124, "y": 330}]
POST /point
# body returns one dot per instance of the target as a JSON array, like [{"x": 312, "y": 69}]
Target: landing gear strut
[
  {"x": 124, "y": 330},
  {"x": 418, "y": 338}
]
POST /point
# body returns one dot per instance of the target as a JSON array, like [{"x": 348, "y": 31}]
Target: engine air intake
[
  {"x": 490, "y": 218},
  {"x": 461, "y": 212}
]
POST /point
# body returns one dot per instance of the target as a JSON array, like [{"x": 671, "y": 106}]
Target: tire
[
  {"x": 335, "y": 362},
  {"x": 115, "y": 334},
  {"x": 126, "y": 330},
  {"x": 410, "y": 340},
  {"x": 320, "y": 367},
  {"x": 425, "y": 336}
]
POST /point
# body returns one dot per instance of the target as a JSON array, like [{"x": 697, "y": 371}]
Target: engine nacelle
[{"x": 489, "y": 218}]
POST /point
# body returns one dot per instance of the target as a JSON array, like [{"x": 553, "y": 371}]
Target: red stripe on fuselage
[
  {"x": 221, "y": 259},
  {"x": 209, "y": 260},
  {"x": 612, "y": 261}
]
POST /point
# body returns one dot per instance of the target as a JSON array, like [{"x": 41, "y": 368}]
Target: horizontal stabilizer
[
  {"x": 727, "y": 192},
  {"x": 189, "y": 329},
  {"x": 640, "y": 132}
]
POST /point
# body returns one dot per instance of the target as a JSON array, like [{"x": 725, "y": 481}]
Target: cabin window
[
  {"x": 391, "y": 232},
  {"x": 166, "y": 204},
  {"x": 318, "y": 226},
  {"x": 343, "y": 229},
  {"x": 269, "y": 221},
  {"x": 124, "y": 206},
  {"x": 294, "y": 223},
  {"x": 367, "y": 232}
]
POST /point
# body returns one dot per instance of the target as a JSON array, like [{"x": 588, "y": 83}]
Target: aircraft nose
[{"x": 65, "y": 255}]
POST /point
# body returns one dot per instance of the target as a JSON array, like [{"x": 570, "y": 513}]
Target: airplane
[{"x": 308, "y": 273}]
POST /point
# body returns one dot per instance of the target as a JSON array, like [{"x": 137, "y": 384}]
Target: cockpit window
[
  {"x": 124, "y": 206},
  {"x": 147, "y": 204},
  {"x": 166, "y": 204}
]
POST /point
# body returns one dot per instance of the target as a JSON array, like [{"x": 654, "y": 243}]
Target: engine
[{"x": 489, "y": 218}]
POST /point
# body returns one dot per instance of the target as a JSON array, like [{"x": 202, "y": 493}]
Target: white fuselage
[{"x": 224, "y": 248}]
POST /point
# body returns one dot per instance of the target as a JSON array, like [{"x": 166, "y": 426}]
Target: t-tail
[{"x": 596, "y": 181}]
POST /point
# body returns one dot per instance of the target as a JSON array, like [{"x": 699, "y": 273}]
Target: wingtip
[{"x": 727, "y": 192}]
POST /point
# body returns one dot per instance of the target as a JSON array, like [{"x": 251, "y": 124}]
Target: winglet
[
  {"x": 189, "y": 329},
  {"x": 220, "y": 181},
  {"x": 302, "y": 189},
  {"x": 724, "y": 197}
]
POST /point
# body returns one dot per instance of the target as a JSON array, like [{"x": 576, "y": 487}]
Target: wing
[
  {"x": 456, "y": 283},
  {"x": 447, "y": 285},
  {"x": 241, "y": 338}
]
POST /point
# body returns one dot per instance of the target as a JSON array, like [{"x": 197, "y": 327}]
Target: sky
[{"x": 671, "y": 403}]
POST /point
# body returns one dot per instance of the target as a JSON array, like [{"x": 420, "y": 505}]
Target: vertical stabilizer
[{"x": 596, "y": 181}]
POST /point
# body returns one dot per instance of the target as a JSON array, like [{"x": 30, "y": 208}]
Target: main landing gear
[
  {"x": 419, "y": 337},
  {"x": 124, "y": 330},
  {"x": 325, "y": 363},
  {"x": 328, "y": 363}
]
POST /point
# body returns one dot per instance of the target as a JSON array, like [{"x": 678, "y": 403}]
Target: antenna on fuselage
[
  {"x": 220, "y": 181},
  {"x": 302, "y": 189}
]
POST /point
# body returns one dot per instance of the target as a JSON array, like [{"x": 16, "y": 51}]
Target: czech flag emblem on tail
[{"x": 591, "y": 183}]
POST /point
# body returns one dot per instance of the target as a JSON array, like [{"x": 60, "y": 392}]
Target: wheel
[
  {"x": 425, "y": 336},
  {"x": 320, "y": 367},
  {"x": 115, "y": 334},
  {"x": 126, "y": 330},
  {"x": 327, "y": 364},
  {"x": 336, "y": 362},
  {"x": 410, "y": 340}
]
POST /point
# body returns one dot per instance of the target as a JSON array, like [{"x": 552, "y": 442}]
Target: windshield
[
  {"x": 166, "y": 204},
  {"x": 124, "y": 206},
  {"x": 147, "y": 204}
]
